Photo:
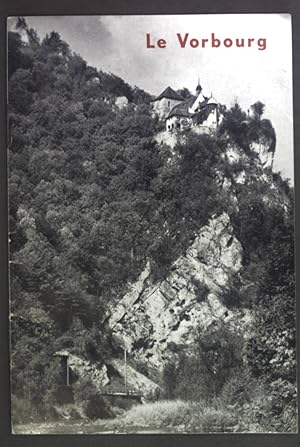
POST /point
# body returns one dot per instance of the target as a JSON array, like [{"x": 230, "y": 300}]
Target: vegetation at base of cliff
[
  {"x": 179, "y": 415},
  {"x": 208, "y": 416},
  {"x": 92, "y": 197},
  {"x": 216, "y": 370},
  {"x": 203, "y": 370}
]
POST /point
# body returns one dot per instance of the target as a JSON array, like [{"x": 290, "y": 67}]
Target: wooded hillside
[{"x": 93, "y": 197}]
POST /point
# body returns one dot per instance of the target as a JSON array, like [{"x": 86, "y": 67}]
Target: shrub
[
  {"x": 94, "y": 404},
  {"x": 97, "y": 407},
  {"x": 259, "y": 406},
  {"x": 220, "y": 353},
  {"x": 215, "y": 357},
  {"x": 170, "y": 375},
  {"x": 241, "y": 388},
  {"x": 213, "y": 420},
  {"x": 178, "y": 415}
]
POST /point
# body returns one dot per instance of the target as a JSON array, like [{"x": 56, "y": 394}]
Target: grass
[{"x": 178, "y": 415}]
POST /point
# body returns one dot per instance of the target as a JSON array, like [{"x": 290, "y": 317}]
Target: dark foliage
[
  {"x": 202, "y": 372},
  {"x": 98, "y": 408}
]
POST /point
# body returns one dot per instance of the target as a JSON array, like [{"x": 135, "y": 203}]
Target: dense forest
[{"x": 93, "y": 197}]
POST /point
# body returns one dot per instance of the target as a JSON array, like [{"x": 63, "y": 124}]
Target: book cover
[{"x": 151, "y": 224}]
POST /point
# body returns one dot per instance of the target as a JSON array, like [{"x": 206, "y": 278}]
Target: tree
[
  {"x": 258, "y": 109},
  {"x": 184, "y": 92},
  {"x": 234, "y": 125},
  {"x": 52, "y": 43},
  {"x": 32, "y": 36},
  {"x": 220, "y": 352},
  {"x": 203, "y": 370}
]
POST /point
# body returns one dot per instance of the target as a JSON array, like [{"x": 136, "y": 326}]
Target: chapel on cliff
[{"x": 199, "y": 112}]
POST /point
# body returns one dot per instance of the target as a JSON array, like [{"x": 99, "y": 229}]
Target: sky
[{"x": 117, "y": 44}]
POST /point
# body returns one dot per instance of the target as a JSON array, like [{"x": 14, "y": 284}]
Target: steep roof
[
  {"x": 201, "y": 114},
  {"x": 182, "y": 109},
  {"x": 212, "y": 100},
  {"x": 170, "y": 94}
]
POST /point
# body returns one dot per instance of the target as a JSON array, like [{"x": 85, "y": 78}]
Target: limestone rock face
[
  {"x": 130, "y": 298},
  {"x": 233, "y": 154},
  {"x": 262, "y": 150},
  {"x": 135, "y": 380},
  {"x": 240, "y": 178},
  {"x": 121, "y": 102},
  {"x": 152, "y": 317},
  {"x": 170, "y": 139}
]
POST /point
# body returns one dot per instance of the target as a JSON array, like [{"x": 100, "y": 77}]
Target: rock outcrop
[
  {"x": 121, "y": 102},
  {"x": 85, "y": 369},
  {"x": 130, "y": 298},
  {"x": 170, "y": 139},
  {"x": 152, "y": 317},
  {"x": 134, "y": 379},
  {"x": 265, "y": 155}
]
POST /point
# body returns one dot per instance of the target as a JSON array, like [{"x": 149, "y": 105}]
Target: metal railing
[{"x": 111, "y": 391}]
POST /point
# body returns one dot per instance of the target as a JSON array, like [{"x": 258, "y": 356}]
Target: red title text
[{"x": 185, "y": 41}]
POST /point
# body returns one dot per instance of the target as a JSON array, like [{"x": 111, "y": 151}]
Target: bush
[
  {"x": 214, "y": 420},
  {"x": 94, "y": 404},
  {"x": 241, "y": 388},
  {"x": 97, "y": 407},
  {"x": 220, "y": 353},
  {"x": 170, "y": 376},
  {"x": 201, "y": 373},
  {"x": 178, "y": 415},
  {"x": 259, "y": 405}
]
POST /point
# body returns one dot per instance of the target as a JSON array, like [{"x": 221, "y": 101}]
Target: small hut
[{"x": 64, "y": 362}]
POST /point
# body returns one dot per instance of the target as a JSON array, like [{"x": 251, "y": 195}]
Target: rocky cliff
[
  {"x": 134, "y": 379},
  {"x": 151, "y": 317}
]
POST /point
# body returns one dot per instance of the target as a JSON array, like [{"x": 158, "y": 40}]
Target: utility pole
[
  {"x": 68, "y": 372},
  {"x": 125, "y": 368}
]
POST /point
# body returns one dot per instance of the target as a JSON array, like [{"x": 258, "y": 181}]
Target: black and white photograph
[{"x": 151, "y": 224}]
